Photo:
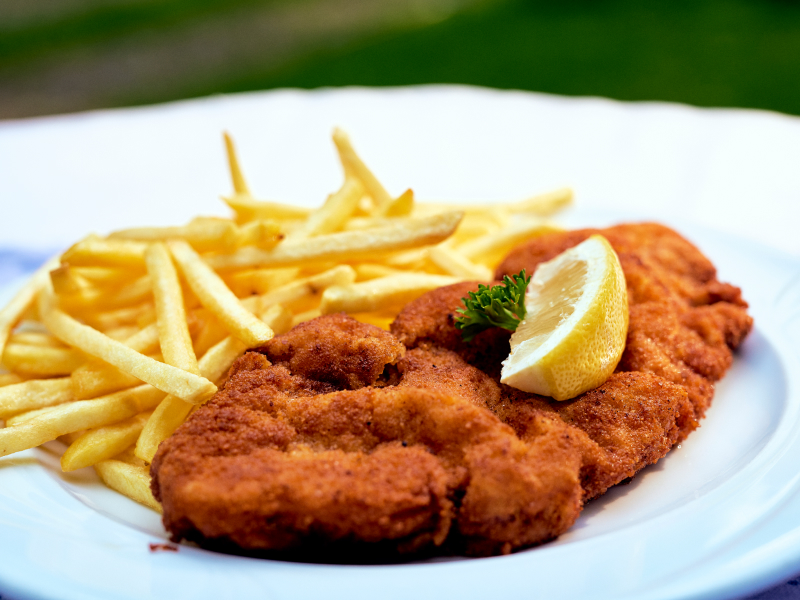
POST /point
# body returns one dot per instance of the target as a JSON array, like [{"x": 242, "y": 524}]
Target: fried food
[
  {"x": 280, "y": 459},
  {"x": 335, "y": 349},
  {"x": 347, "y": 439},
  {"x": 684, "y": 323},
  {"x": 630, "y": 421}
]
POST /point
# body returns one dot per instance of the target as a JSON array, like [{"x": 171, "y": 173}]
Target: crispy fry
[
  {"x": 402, "y": 206},
  {"x": 97, "y": 378},
  {"x": 375, "y": 294},
  {"x": 9, "y": 379},
  {"x": 489, "y": 249},
  {"x": 457, "y": 265},
  {"x": 239, "y": 184},
  {"x": 101, "y": 276},
  {"x": 41, "y": 361},
  {"x": 261, "y": 234},
  {"x": 541, "y": 205},
  {"x": 164, "y": 377},
  {"x": 173, "y": 329},
  {"x": 203, "y": 234},
  {"x": 66, "y": 281},
  {"x": 120, "y": 317},
  {"x": 305, "y": 316},
  {"x": 301, "y": 290},
  {"x": 330, "y": 216},
  {"x": 27, "y": 415},
  {"x": 347, "y": 245},
  {"x": 217, "y": 298},
  {"x": 78, "y": 415},
  {"x": 106, "y": 253},
  {"x": 33, "y": 394},
  {"x": 122, "y": 333},
  {"x": 259, "y": 281},
  {"x": 367, "y": 271},
  {"x": 103, "y": 443},
  {"x": 128, "y": 480},
  {"x": 36, "y": 338},
  {"x": 354, "y": 167},
  {"x": 13, "y": 312},
  {"x": 247, "y": 209},
  {"x": 545, "y": 204},
  {"x": 97, "y": 298}
]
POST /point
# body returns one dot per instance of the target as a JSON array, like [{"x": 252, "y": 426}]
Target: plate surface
[{"x": 718, "y": 518}]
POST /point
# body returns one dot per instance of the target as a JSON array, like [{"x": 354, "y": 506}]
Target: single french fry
[
  {"x": 203, "y": 234},
  {"x": 101, "y": 276},
  {"x": 106, "y": 253},
  {"x": 545, "y": 204},
  {"x": 261, "y": 234},
  {"x": 162, "y": 376},
  {"x": 305, "y": 316},
  {"x": 35, "y": 338},
  {"x": 33, "y": 394},
  {"x": 491, "y": 248},
  {"x": 541, "y": 205},
  {"x": 66, "y": 281},
  {"x": 166, "y": 418},
  {"x": 346, "y": 245},
  {"x": 402, "y": 206},
  {"x": 75, "y": 416},
  {"x": 301, "y": 290},
  {"x": 103, "y": 443},
  {"x": 9, "y": 379},
  {"x": 367, "y": 271},
  {"x": 376, "y": 294},
  {"x": 457, "y": 265},
  {"x": 172, "y": 411},
  {"x": 41, "y": 361},
  {"x": 22, "y": 301},
  {"x": 119, "y": 317},
  {"x": 122, "y": 333},
  {"x": 98, "y": 378},
  {"x": 129, "y": 480},
  {"x": 354, "y": 167},
  {"x": 239, "y": 184},
  {"x": 259, "y": 281},
  {"x": 27, "y": 416},
  {"x": 416, "y": 259},
  {"x": 173, "y": 329},
  {"x": 216, "y": 297},
  {"x": 330, "y": 216},
  {"x": 97, "y": 298},
  {"x": 248, "y": 209}
]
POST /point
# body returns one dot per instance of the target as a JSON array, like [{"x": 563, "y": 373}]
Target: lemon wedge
[{"x": 575, "y": 326}]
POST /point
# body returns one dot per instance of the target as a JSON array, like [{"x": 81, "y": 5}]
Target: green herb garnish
[{"x": 497, "y": 306}]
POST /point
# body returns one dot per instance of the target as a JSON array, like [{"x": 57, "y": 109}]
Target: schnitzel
[
  {"x": 276, "y": 461},
  {"x": 339, "y": 435}
]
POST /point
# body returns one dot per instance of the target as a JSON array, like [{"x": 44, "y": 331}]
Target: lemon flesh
[{"x": 574, "y": 331}]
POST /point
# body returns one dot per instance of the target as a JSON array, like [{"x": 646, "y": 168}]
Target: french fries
[
  {"x": 217, "y": 298},
  {"x": 132, "y": 481},
  {"x": 102, "y": 344}
]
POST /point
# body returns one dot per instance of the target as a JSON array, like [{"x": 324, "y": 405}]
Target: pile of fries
[{"x": 101, "y": 346}]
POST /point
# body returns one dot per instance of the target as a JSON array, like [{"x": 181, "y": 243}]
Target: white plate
[{"x": 718, "y": 518}]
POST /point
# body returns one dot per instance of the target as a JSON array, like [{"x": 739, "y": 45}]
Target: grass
[{"x": 737, "y": 53}]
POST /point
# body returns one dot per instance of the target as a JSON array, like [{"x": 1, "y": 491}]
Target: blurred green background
[{"x": 70, "y": 55}]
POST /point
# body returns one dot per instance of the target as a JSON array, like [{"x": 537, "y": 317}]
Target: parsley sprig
[{"x": 497, "y": 306}]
